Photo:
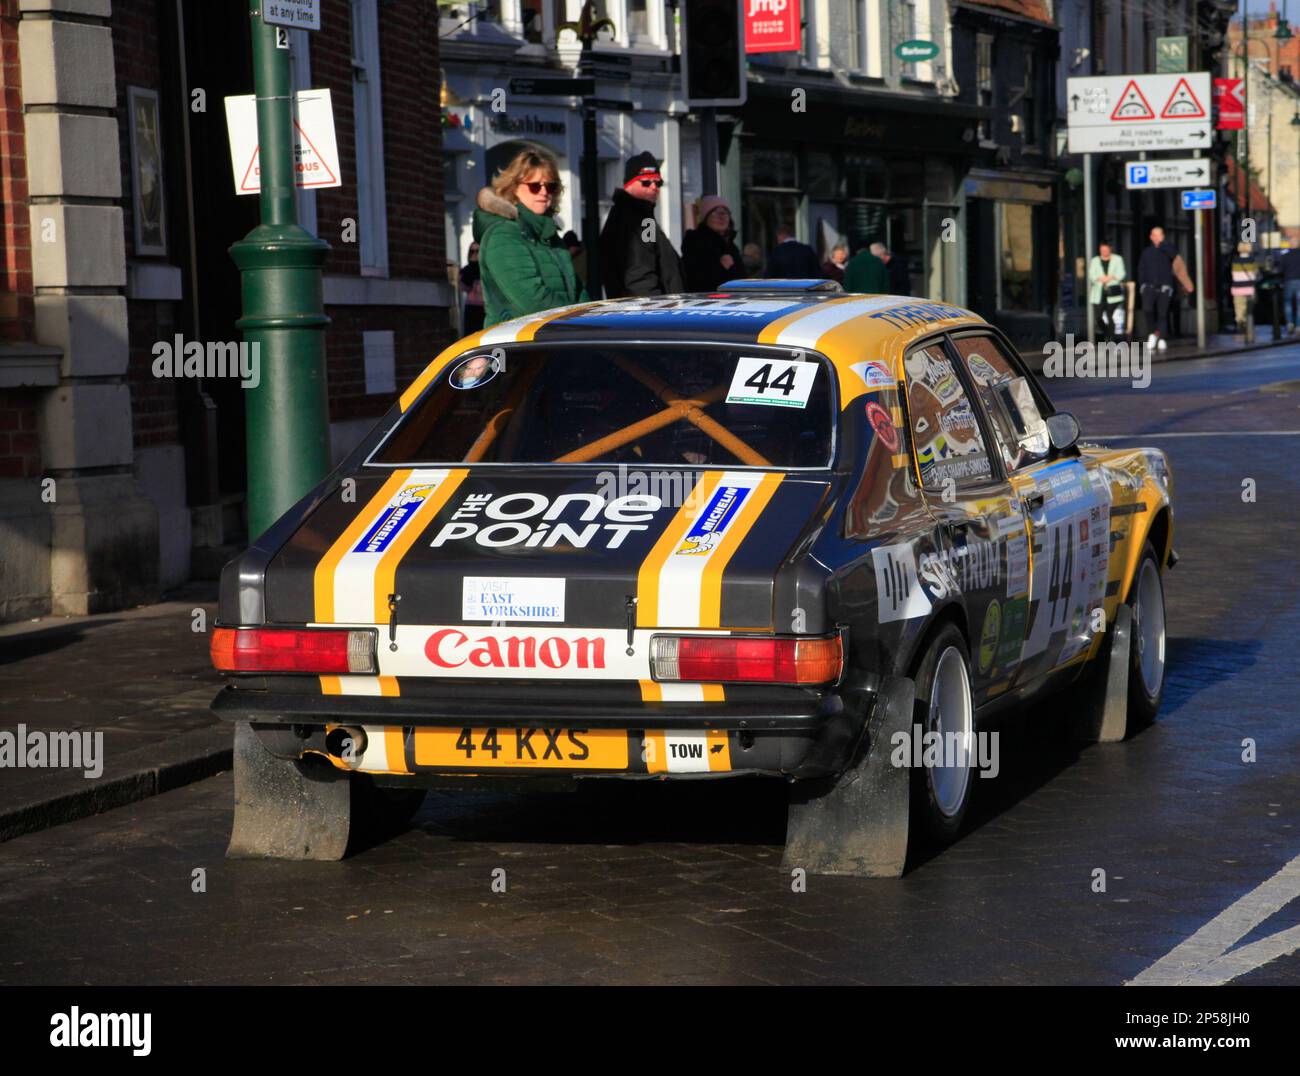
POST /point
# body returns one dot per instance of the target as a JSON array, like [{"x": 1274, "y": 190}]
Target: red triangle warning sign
[
  {"x": 1132, "y": 104},
  {"x": 1183, "y": 104},
  {"x": 311, "y": 168}
]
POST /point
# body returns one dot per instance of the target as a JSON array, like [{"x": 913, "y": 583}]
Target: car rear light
[
  {"x": 722, "y": 658},
  {"x": 293, "y": 650}
]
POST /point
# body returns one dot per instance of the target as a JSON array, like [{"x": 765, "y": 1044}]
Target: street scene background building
[{"x": 117, "y": 207}]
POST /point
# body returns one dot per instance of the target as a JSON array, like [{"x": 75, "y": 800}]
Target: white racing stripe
[
  {"x": 1204, "y": 959},
  {"x": 806, "y": 331},
  {"x": 354, "y": 578}
]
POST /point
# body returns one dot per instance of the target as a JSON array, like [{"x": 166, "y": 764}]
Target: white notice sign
[
  {"x": 315, "y": 151},
  {"x": 498, "y": 598},
  {"x": 298, "y": 14}
]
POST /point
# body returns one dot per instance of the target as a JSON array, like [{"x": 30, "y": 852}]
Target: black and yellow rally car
[{"x": 769, "y": 530}]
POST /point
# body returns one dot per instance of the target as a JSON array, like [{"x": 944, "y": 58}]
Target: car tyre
[
  {"x": 1146, "y": 679},
  {"x": 942, "y": 794}
]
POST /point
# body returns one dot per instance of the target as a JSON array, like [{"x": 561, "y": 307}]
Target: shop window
[
  {"x": 1016, "y": 260},
  {"x": 770, "y": 167},
  {"x": 866, "y": 177},
  {"x": 821, "y": 175}
]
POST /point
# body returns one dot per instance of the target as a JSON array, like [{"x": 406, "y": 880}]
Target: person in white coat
[{"x": 1106, "y": 276}]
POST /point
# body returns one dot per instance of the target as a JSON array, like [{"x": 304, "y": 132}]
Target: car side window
[
  {"x": 944, "y": 429},
  {"x": 1018, "y": 426}
]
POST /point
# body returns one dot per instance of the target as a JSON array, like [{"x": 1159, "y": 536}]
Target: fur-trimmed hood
[{"x": 491, "y": 202}]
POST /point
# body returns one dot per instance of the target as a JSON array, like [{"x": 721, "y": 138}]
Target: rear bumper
[{"x": 792, "y": 739}]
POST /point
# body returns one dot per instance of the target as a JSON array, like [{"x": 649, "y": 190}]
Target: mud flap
[
  {"x": 857, "y": 823},
  {"x": 283, "y": 812}
]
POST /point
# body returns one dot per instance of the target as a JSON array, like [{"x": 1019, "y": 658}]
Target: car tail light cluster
[
  {"x": 293, "y": 650},
  {"x": 723, "y": 658}
]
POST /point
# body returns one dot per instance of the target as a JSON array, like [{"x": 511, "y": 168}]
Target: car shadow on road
[
  {"x": 23, "y": 645},
  {"x": 1195, "y": 664}
]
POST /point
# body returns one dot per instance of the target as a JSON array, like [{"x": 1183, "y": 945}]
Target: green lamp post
[{"x": 287, "y": 414}]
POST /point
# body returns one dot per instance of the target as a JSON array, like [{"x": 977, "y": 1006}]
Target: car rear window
[{"x": 712, "y": 407}]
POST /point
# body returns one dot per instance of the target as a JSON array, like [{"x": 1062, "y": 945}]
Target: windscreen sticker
[
  {"x": 498, "y": 598},
  {"x": 772, "y": 382}
]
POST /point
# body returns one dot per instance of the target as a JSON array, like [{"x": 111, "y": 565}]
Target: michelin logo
[
  {"x": 707, "y": 531},
  {"x": 403, "y": 507}
]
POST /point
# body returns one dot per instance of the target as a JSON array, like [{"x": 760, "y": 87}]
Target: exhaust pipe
[{"x": 345, "y": 745}]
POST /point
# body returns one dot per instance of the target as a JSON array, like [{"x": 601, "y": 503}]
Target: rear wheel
[
  {"x": 1146, "y": 684},
  {"x": 945, "y": 713}
]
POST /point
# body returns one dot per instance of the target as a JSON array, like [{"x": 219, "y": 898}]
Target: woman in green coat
[{"x": 525, "y": 265}]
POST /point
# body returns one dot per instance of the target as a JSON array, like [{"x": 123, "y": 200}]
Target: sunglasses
[
  {"x": 536, "y": 188},
  {"x": 652, "y": 182}
]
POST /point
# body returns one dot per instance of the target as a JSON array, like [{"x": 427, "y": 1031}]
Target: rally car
[{"x": 773, "y": 530}]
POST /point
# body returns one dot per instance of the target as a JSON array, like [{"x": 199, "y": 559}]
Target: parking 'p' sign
[{"x": 772, "y": 382}]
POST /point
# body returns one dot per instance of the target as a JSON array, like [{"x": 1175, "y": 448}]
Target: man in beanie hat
[{"x": 635, "y": 258}]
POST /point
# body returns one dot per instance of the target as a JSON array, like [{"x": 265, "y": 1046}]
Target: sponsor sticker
[
  {"x": 497, "y": 598},
  {"x": 883, "y": 425},
  {"x": 899, "y": 595},
  {"x": 707, "y": 531},
  {"x": 398, "y": 513},
  {"x": 875, "y": 373},
  {"x": 772, "y": 382},
  {"x": 989, "y": 636}
]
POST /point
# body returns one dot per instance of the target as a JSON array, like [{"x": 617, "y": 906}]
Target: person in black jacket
[
  {"x": 791, "y": 259},
  {"x": 710, "y": 256},
  {"x": 635, "y": 257}
]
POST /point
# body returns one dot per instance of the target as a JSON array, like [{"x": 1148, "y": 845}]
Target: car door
[
  {"x": 1056, "y": 581},
  {"x": 970, "y": 500}
]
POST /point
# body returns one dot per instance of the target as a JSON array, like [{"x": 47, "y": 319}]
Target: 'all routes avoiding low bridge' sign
[{"x": 1138, "y": 113}]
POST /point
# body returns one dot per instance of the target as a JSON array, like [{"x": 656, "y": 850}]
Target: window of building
[
  {"x": 908, "y": 16},
  {"x": 1016, "y": 257},
  {"x": 372, "y": 213},
  {"x": 848, "y": 39},
  {"x": 530, "y": 16},
  {"x": 1029, "y": 102},
  {"x": 984, "y": 78},
  {"x": 638, "y": 20}
]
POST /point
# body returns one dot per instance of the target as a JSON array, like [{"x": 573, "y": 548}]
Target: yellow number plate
[{"x": 559, "y": 749}]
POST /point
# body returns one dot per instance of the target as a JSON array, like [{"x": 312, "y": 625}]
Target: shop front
[{"x": 889, "y": 169}]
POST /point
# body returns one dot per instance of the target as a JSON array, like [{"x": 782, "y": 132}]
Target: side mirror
[{"x": 1063, "y": 429}]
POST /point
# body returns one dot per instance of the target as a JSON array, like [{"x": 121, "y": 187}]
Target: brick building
[{"x": 117, "y": 211}]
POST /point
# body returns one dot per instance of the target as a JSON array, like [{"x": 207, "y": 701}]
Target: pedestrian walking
[
  {"x": 525, "y": 266},
  {"x": 900, "y": 281},
  {"x": 471, "y": 283},
  {"x": 866, "y": 274},
  {"x": 635, "y": 256},
  {"x": 1156, "y": 283},
  {"x": 1106, "y": 276},
  {"x": 1245, "y": 277},
  {"x": 1291, "y": 287},
  {"x": 710, "y": 256},
  {"x": 791, "y": 259},
  {"x": 834, "y": 266}
]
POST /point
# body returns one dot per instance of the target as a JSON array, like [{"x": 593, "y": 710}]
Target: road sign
[
  {"x": 609, "y": 104},
  {"x": 1199, "y": 199},
  {"x": 553, "y": 87},
  {"x": 315, "y": 151},
  {"x": 1135, "y": 113},
  {"x": 296, "y": 14},
  {"x": 1171, "y": 55},
  {"x": 1182, "y": 172}
]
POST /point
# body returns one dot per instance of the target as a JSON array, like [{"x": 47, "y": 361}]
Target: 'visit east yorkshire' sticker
[
  {"x": 499, "y": 598},
  {"x": 772, "y": 382}
]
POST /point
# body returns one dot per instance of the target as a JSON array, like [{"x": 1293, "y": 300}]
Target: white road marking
[{"x": 1204, "y": 959}]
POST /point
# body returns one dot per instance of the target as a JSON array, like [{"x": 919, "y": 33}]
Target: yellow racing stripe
[
  {"x": 647, "y": 580},
  {"x": 711, "y": 584},
  {"x": 323, "y": 579}
]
